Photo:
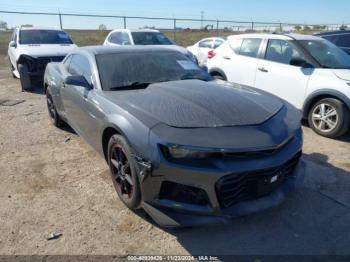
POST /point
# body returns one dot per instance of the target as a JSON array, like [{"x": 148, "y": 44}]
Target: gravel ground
[{"x": 51, "y": 180}]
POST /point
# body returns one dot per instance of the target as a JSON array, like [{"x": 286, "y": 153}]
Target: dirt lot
[{"x": 51, "y": 180}]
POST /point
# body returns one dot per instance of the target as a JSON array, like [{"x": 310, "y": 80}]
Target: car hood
[
  {"x": 46, "y": 49},
  {"x": 343, "y": 74},
  {"x": 195, "y": 103}
]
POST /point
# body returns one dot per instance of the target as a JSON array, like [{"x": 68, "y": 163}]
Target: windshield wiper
[{"x": 134, "y": 85}]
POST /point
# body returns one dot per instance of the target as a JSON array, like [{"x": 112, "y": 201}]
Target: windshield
[
  {"x": 150, "y": 38},
  {"x": 120, "y": 70},
  {"x": 28, "y": 37},
  {"x": 327, "y": 54}
]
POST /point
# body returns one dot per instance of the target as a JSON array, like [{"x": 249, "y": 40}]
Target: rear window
[
  {"x": 150, "y": 38},
  {"x": 27, "y": 37}
]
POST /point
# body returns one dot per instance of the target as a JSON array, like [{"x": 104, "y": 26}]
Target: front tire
[
  {"x": 123, "y": 169},
  {"x": 54, "y": 116},
  {"x": 329, "y": 117},
  {"x": 24, "y": 77}
]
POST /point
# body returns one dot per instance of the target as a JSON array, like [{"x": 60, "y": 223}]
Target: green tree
[
  {"x": 102, "y": 27},
  {"x": 297, "y": 28}
]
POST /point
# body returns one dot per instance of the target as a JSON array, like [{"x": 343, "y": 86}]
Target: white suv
[
  {"x": 143, "y": 37},
  {"x": 309, "y": 72},
  {"x": 30, "y": 49}
]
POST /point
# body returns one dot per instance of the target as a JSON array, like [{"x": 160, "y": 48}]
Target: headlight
[{"x": 178, "y": 152}]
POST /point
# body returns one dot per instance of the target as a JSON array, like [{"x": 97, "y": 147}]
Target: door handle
[
  {"x": 226, "y": 57},
  {"x": 263, "y": 69}
]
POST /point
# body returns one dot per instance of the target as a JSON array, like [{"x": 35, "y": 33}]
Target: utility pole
[{"x": 202, "y": 18}]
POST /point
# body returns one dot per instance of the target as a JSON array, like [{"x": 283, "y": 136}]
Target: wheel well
[
  {"x": 107, "y": 134},
  {"x": 215, "y": 73},
  {"x": 314, "y": 100},
  {"x": 218, "y": 73}
]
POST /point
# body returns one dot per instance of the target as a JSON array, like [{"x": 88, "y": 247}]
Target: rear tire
[
  {"x": 123, "y": 169},
  {"x": 329, "y": 117},
  {"x": 24, "y": 77}
]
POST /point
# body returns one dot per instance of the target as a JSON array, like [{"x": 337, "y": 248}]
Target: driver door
[{"x": 75, "y": 98}]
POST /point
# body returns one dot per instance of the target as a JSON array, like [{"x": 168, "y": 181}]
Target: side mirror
[
  {"x": 13, "y": 44},
  {"x": 78, "y": 81},
  {"x": 300, "y": 62}
]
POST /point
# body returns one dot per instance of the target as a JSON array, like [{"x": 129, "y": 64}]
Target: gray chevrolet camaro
[{"x": 187, "y": 149}]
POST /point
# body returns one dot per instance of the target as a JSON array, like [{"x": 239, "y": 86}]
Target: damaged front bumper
[{"x": 166, "y": 215}]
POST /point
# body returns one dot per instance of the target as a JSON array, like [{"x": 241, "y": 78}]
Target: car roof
[
  {"x": 339, "y": 32},
  {"x": 135, "y": 30},
  {"x": 100, "y": 49},
  {"x": 276, "y": 36},
  {"x": 38, "y": 28}
]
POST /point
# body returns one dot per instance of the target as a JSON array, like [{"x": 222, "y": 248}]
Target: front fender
[{"x": 323, "y": 93}]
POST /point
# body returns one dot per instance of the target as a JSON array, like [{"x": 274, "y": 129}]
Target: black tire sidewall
[
  {"x": 343, "y": 118},
  {"x": 135, "y": 201},
  {"x": 24, "y": 77},
  {"x": 56, "y": 120}
]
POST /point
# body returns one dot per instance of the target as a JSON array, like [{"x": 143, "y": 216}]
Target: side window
[
  {"x": 344, "y": 41},
  {"x": 205, "y": 43},
  {"x": 217, "y": 43},
  {"x": 119, "y": 38},
  {"x": 281, "y": 51},
  {"x": 250, "y": 47},
  {"x": 79, "y": 65},
  {"x": 236, "y": 45}
]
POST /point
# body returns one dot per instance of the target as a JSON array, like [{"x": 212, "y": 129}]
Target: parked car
[
  {"x": 152, "y": 37},
  {"x": 310, "y": 72},
  {"x": 201, "y": 49},
  {"x": 340, "y": 38},
  {"x": 187, "y": 149},
  {"x": 30, "y": 49}
]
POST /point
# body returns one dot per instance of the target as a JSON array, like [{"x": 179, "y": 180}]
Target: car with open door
[{"x": 308, "y": 71}]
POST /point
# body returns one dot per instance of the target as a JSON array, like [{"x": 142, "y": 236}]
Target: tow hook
[{"x": 145, "y": 167}]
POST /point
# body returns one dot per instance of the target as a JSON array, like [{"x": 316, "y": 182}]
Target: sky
[{"x": 292, "y": 11}]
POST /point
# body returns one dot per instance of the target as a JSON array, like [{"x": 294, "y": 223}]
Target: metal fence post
[
  {"x": 174, "y": 29},
  {"x": 252, "y": 26},
  {"x": 281, "y": 27},
  {"x": 60, "y": 18},
  {"x": 124, "y": 21},
  {"x": 217, "y": 27}
]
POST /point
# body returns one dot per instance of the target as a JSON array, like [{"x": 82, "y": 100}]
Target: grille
[
  {"x": 41, "y": 62},
  {"x": 238, "y": 187}
]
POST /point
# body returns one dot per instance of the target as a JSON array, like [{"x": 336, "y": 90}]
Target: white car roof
[
  {"x": 275, "y": 36},
  {"x": 135, "y": 30}
]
